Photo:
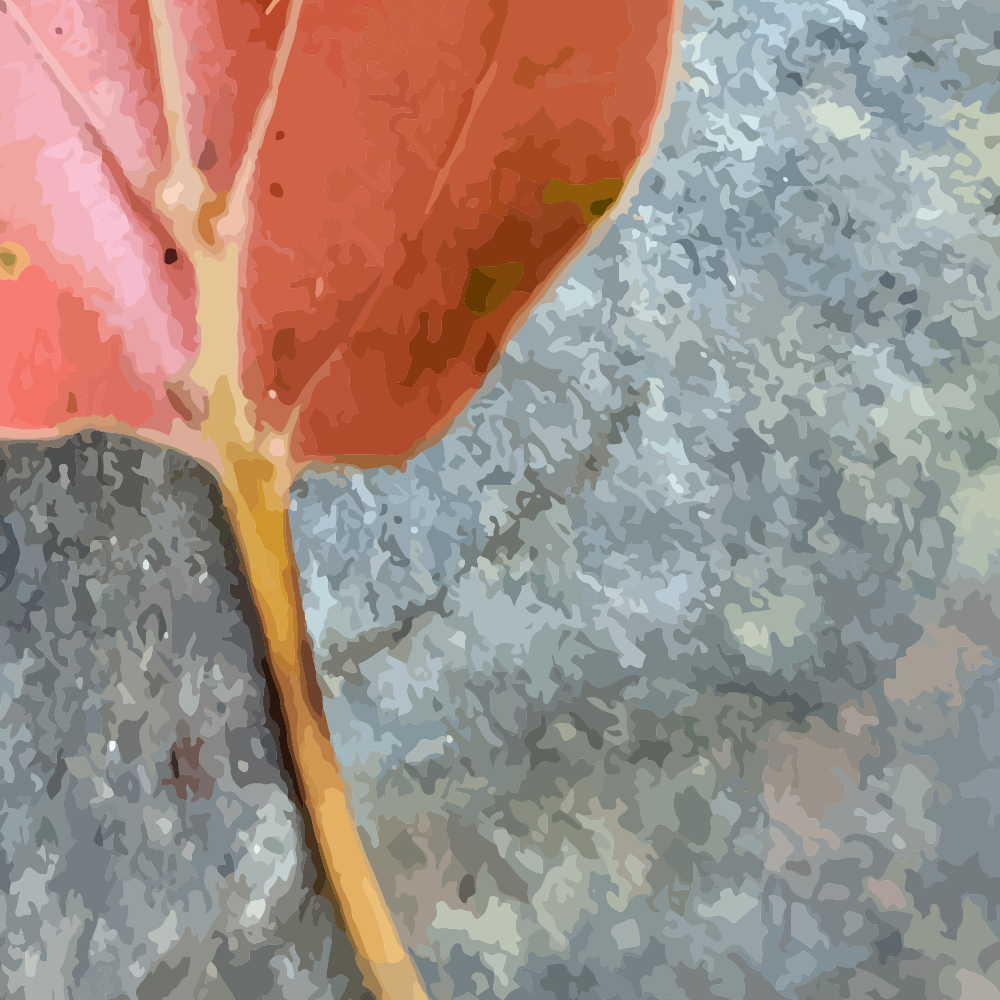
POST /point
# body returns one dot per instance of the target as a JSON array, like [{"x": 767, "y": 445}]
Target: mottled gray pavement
[
  {"x": 150, "y": 847},
  {"x": 668, "y": 673}
]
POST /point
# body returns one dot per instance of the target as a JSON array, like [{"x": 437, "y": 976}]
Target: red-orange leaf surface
[{"x": 428, "y": 166}]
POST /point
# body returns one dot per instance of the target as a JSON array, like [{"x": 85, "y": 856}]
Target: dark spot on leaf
[
  {"x": 284, "y": 344},
  {"x": 479, "y": 287},
  {"x": 489, "y": 286},
  {"x": 71, "y": 406},
  {"x": 58, "y": 31},
  {"x": 276, "y": 190},
  {"x": 589, "y": 197},
  {"x": 170, "y": 256},
  {"x": 209, "y": 157},
  {"x": 279, "y": 134},
  {"x": 178, "y": 404}
]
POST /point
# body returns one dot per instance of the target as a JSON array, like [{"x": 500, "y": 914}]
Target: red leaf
[
  {"x": 93, "y": 322},
  {"x": 427, "y": 170}
]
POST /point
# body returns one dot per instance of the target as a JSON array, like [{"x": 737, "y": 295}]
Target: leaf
[
  {"x": 427, "y": 170},
  {"x": 276, "y": 240},
  {"x": 411, "y": 154},
  {"x": 84, "y": 314}
]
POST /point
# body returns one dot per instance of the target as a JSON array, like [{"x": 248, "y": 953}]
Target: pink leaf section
[
  {"x": 103, "y": 52},
  {"x": 96, "y": 322}
]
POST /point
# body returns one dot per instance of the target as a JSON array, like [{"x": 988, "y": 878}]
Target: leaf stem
[
  {"x": 180, "y": 195},
  {"x": 255, "y": 472},
  {"x": 257, "y": 513}
]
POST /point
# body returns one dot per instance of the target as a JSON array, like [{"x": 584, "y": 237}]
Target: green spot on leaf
[
  {"x": 594, "y": 199},
  {"x": 489, "y": 286}
]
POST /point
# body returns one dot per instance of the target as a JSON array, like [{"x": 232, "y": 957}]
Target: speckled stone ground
[
  {"x": 667, "y": 673},
  {"x": 150, "y": 844}
]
